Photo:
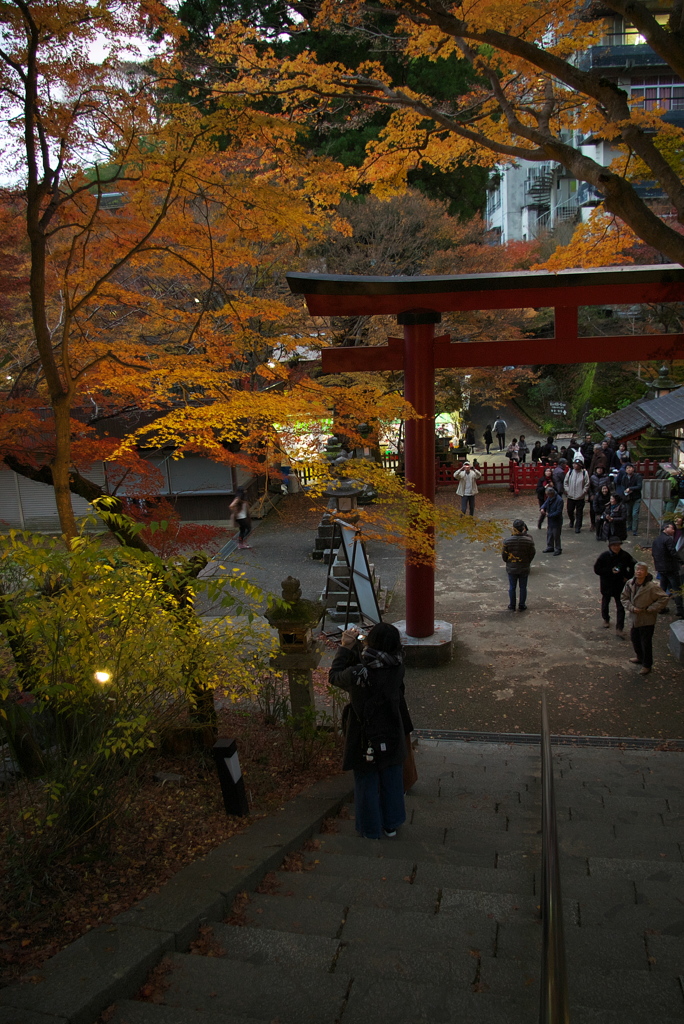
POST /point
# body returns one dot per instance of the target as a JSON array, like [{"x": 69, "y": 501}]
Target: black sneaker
[{"x": 390, "y": 833}]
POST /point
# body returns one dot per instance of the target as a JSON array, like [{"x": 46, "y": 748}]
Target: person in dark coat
[
  {"x": 667, "y": 564},
  {"x": 559, "y": 471},
  {"x": 544, "y": 481},
  {"x": 548, "y": 449},
  {"x": 601, "y": 457},
  {"x": 517, "y": 551},
  {"x": 600, "y": 504},
  {"x": 553, "y": 510},
  {"x": 535, "y": 454},
  {"x": 488, "y": 438},
  {"x": 630, "y": 483},
  {"x": 596, "y": 482},
  {"x": 614, "y": 567},
  {"x": 587, "y": 449},
  {"x": 376, "y": 725},
  {"x": 614, "y": 519}
]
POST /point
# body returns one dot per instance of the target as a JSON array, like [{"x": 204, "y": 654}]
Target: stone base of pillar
[
  {"x": 676, "y": 639},
  {"x": 427, "y": 651}
]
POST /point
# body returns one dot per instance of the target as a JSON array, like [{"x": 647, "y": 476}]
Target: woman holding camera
[{"x": 377, "y": 721}]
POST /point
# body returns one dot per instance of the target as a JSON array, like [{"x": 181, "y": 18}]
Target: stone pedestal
[
  {"x": 429, "y": 651},
  {"x": 299, "y": 669},
  {"x": 676, "y": 639}
]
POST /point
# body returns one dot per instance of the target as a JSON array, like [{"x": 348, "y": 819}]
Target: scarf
[{"x": 375, "y": 659}]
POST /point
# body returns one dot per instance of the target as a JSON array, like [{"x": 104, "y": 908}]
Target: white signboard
[{"x": 357, "y": 559}]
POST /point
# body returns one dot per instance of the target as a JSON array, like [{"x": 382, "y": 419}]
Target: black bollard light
[{"x": 230, "y": 776}]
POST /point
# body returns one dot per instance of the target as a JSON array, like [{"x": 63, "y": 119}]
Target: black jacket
[
  {"x": 378, "y": 715},
  {"x": 518, "y": 552},
  {"x": 614, "y": 521},
  {"x": 631, "y": 484},
  {"x": 665, "y": 557},
  {"x": 614, "y": 569},
  {"x": 542, "y": 483}
]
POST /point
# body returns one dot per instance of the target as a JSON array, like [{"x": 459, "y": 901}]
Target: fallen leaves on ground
[{"x": 165, "y": 827}]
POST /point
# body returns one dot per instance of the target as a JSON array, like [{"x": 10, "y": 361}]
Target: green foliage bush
[{"x": 104, "y": 653}]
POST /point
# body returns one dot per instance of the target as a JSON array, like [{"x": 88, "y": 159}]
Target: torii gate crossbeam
[{"x": 418, "y": 303}]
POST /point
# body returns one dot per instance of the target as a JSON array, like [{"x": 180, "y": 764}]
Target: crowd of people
[
  {"x": 612, "y": 488},
  {"x": 623, "y": 580},
  {"x": 599, "y": 476}
]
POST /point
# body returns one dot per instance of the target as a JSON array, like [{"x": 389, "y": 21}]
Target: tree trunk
[{"x": 61, "y": 467}]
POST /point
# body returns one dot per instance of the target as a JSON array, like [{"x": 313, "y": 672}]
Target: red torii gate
[{"x": 418, "y": 303}]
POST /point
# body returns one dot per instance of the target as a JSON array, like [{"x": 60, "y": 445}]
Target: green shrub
[{"x": 105, "y": 652}]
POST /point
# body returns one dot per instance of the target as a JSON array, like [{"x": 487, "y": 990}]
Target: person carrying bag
[{"x": 375, "y": 737}]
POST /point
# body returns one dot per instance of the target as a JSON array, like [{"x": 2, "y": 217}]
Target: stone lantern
[
  {"x": 299, "y": 654},
  {"x": 345, "y": 494},
  {"x": 662, "y": 385}
]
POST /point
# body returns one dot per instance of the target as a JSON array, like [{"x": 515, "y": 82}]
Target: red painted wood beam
[
  {"x": 352, "y": 295},
  {"x": 530, "y": 352},
  {"x": 558, "y": 351}
]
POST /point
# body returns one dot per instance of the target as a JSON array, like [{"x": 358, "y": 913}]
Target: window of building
[
  {"x": 494, "y": 200},
  {"x": 619, "y": 33},
  {"x": 654, "y": 91}
]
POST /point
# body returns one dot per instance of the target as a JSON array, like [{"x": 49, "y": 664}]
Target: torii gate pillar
[{"x": 419, "y": 454}]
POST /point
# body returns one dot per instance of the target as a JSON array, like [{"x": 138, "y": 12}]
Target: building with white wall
[{"x": 527, "y": 199}]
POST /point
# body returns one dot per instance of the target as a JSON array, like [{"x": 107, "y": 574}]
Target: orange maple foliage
[
  {"x": 149, "y": 243},
  {"x": 534, "y": 96}
]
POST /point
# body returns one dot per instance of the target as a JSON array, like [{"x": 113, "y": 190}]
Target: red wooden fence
[{"x": 519, "y": 478}]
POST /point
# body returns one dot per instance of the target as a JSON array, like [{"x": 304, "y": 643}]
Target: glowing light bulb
[{"x": 103, "y": 677}]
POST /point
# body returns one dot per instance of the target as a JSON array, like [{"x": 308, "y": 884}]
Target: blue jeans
[
  {"x": 512, "y": 581},
  {"x": 468, "y": 499},
  {"x": 379, "y": 800},
  {"x": 633, "y": 515}
]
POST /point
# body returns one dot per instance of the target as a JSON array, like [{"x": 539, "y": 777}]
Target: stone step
[
  {"x": 370, "y": 892},
  {"x": 476, "y": 836},
  {"x": 287, "y": 950},
  {"x": 299, "y": 916},
  {"x": 222, "y": 986},
  {"x": 486, "y": 851},
  {"x": 442, "y": 923},
  {"x": 453, "y": 875},
  {"x": 128, "y": 1011}
]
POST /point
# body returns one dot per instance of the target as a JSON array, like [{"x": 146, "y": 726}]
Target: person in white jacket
[
  {"x": 467, "y": 486},
  {"x": 576, "y": 485},
  {"x": 500, "y": 428}
]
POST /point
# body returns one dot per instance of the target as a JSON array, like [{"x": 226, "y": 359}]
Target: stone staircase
[
  {"x": 337, "y": 598},
  {"x": 442, "y": 923}
]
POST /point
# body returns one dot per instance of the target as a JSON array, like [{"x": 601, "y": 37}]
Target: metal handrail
[{"x": 553, "y": 1003}]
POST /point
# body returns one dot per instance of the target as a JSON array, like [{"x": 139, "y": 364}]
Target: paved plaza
[{"x": 501, "y": 659}]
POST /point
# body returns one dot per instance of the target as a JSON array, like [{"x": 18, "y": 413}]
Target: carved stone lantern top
[{"x": 294, "y": 623}]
